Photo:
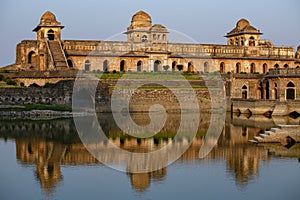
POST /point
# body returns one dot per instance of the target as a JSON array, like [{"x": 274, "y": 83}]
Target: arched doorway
[
  {"x": 139, "y": 66},
  {"x": 105, "y": 65},
  {"x": 222, "y": 67},
  {"x": 238, "y": 68},
  {"x": 286, "y": 66},
  {"x": 265, "y": 68},
  {"x": 51, "y": 35},
  {"x": 252, "y": 68},
  {"x": 87, "y": 65},
  {"x": 32, "y": 59},
  {"x": 290, "y": 91},
  {"x": 190, "y": 67},
  {"x": 276, "y": 66},
  {"x": 70, "y": 63},
  {"x": 174, "y": 64},
  {"x": 157, "y": 64},
  {"x": 206, "y": 67},
  {"x": 244, "y": 92},
  {"x": 251, "y": 42},
  {"x": 122, "y": 66}
]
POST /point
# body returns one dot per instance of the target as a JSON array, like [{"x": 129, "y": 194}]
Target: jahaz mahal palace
[{"x": 255, "y": 68}]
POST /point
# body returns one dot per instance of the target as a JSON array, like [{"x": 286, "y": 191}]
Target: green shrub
[
  {"x": 47, "y": 85},
  {"x": 5, "y": 71},
  {"x": 10, "y": 82}
]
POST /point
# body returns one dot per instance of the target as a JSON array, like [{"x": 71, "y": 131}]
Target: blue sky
[{"x": 204, "y": 21}]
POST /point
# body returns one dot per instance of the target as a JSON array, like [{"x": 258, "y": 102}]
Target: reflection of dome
[
  {"x": 140, "y": 181},
  {"x": 140, "y": 20},
  {"x": 158, "y": 28},
  {"x": 242, "y": 23},
  {"x": 48, "y": 16}
]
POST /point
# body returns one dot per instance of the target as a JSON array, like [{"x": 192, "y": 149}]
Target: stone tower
[
  {"x": 243, "y": 34},
  {"x": 49, "y": 28},
  {"x": 138, "y": 31},
  {"x": 142, "y": 31}
]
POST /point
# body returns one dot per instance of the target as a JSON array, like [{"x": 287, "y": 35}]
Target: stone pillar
[
  {"x": 264, "y": 91},
  {"x": 151, "y": 65}
]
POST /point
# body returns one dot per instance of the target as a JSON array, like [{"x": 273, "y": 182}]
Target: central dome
[
  {"x": 140, "y": 20},
  {"x": 241, "y": 24},
  {"x": 48, "y": 16}
]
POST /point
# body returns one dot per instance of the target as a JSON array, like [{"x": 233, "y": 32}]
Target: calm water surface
[{"x": 46, "y": 160}]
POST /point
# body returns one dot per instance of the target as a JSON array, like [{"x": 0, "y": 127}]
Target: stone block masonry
[{"x": 141, "y": 100}]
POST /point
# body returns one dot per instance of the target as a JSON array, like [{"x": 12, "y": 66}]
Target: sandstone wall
[{"x": 140, "y": 101}]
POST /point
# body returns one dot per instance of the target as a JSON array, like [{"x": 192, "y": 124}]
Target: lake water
[{"x": 46, "y": 160}]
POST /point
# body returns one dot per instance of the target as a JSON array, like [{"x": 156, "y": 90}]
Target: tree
[{"x": 166, "y": 67}]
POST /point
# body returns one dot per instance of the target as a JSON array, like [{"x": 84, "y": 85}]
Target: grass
[
  {"x": 157, "y": 87},
  {"x": 28, "y": 107},
  {"x": 150, "y": 75}
]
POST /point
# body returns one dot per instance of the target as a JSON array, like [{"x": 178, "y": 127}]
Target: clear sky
[{"x": 205, "y": 21}]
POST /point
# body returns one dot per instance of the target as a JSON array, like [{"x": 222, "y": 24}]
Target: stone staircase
[
  {"x": 282, "y": 134},
  {"x": 57, "y": 54}
]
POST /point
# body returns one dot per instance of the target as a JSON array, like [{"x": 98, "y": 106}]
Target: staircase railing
[{"x": 63, "y": 52}]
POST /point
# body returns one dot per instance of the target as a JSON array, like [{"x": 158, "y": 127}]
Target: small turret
[{"x": 49, "y": 28}]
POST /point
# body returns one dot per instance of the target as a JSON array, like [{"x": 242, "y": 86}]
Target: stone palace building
[{"x": 255, "y": 68}]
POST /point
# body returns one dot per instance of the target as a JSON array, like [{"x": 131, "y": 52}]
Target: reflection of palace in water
[{"x": 50, "y": 145}]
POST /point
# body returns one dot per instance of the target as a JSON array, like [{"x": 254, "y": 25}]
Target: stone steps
[
  {"x": 278, "y": 135},
  {"x": 57, "y": 54}
]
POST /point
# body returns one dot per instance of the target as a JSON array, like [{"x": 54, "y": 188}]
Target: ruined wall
[
  {"x": 141, "y": 100},
  {"x": 59, "y": 94}
]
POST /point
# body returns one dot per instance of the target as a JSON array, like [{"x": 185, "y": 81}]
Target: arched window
[
  {"x": 286, "y": 66},
  {"x": 50, "y": 35},
  {"x": 174, "y": 64},
  {"x": 190, "y": 67},
  {"x": 164, "y": 37},
  {"x": 144, "y": 38},
  {"x": 265, "y": 68},
  {"x": 290, "y": 91},
  {"x": 276, "y": 66},
  {"x": 70, "y": 63},
  {"x": 244, "y": 92},
  {"x": 206, "y": 67},
  {"x": 231, "y": 42},
  {"x": 87, "y": 65},
  {"x": 251, "y": 41},
  {"x": 32, "y": 58},
  {"x": 237, "y": 41},
  {"x": 238, "y": 68},
  {"x": 222, "y": 67},
  {"x": 242, "y": 41},
  {"x": 252, "y": 68},
  {"x": 122, "y": 66},
  {"x": 105, "y": 65},
  {"x": 139, "y": 66},
  {"x": 157, "y": 64}
]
